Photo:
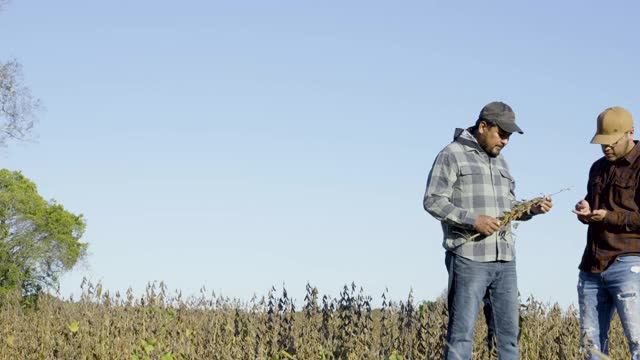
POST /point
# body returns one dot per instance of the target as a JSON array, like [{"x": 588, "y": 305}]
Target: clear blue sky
[{"x": 243, "y": 144}]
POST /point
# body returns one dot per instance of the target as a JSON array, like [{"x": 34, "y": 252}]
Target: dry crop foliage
[{"x": 166, "y": 326}]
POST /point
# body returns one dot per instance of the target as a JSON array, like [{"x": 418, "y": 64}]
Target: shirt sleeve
[
  {"x": 589, "y": 197},
  {"x": 437, "y": 197},
  {"x": 630, "y": 220}
]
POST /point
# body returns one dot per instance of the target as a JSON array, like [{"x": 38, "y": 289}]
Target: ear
[{"x": 482, "y": 127}]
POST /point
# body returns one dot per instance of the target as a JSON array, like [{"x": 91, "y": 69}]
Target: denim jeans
[
  {"x": 469, "y": 281},
  {"x": 488, "y": 318},
  {"x": 600, "y": 294}
]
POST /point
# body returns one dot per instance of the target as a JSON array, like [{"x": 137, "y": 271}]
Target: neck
[
  {"x": 630, "y": 147},
  {"x": 475, "y": 133}
]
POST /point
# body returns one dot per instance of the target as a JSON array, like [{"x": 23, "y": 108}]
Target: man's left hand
[
  {"x": 597, "y": 215},
  {"x": 543, "y": 208}
]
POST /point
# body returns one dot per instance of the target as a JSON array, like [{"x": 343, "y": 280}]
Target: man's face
[
  {"x": 620, "y": 148},
  {"x": 492, "y": 139}
]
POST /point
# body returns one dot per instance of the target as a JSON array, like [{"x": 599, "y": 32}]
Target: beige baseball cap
[{"x": 612, "y": 124}]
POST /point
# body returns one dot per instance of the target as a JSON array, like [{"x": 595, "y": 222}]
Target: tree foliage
[{"x": 39, "y": 239}]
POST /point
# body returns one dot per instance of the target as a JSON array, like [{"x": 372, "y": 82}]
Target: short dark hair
[{"x": 475, "y": 127}]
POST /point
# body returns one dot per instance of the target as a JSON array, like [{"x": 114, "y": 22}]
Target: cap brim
[
  {"x": 511, "y": 128},
  {"x": 606, "y": 139}
]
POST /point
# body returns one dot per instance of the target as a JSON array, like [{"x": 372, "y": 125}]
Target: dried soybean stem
[{"x": 522, "y": 208}]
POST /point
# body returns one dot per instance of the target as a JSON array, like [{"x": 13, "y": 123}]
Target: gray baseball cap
[{"x": 502, "y": 115}]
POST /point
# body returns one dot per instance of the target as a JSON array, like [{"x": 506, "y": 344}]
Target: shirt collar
[{"x": 633, "y": 155}]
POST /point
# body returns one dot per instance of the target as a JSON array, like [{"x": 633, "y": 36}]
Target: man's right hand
[
  {"x": 583, "y": 210},
  {"x": 486, "y": 225}
]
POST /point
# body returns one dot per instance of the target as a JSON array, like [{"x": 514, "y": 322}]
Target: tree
[
  {"x": 18, "y": 107},
  {"x": 39, "y": 239}
]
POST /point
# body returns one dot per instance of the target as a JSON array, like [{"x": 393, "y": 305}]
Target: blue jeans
[
  {"x": 468, "y": 282},
  {"x": 600, "y": 294}
]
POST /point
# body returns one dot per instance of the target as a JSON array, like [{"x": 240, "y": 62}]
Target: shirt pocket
[
  {"x": 506, "y": 180},
  {"x": 596, "y": 185},
  {"x": 471, "y": 177},
  {"x": 506, "y": 187},
  {"x": 623, "y": 193}
]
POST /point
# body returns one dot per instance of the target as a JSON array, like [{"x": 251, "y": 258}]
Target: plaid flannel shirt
[
  {"x": 464, "y": 183},
  {"x": 615, "y": 187}
]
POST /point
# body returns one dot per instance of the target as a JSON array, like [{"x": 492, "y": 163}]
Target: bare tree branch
[
  {"x": 18, "y": 107},
  {"x": 3, "y": 3}
]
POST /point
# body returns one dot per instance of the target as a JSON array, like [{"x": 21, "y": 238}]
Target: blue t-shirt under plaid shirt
[{"x": 464, "y": 183}]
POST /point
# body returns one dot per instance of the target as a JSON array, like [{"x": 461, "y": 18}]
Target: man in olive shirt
[{"x": 609, "y": 277}]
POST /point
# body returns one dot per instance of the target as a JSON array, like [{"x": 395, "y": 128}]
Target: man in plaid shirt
[
  {"x": 469, "y": 187},
  {"x": 609, "y": 278}
]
